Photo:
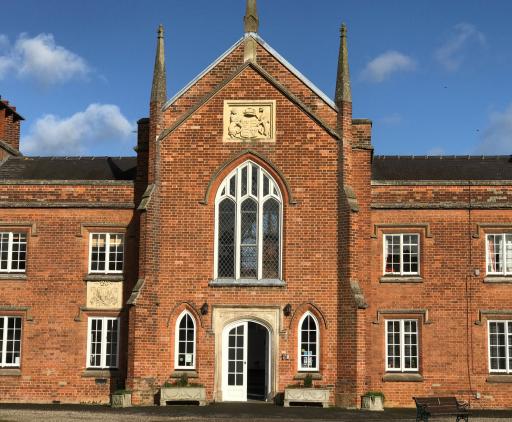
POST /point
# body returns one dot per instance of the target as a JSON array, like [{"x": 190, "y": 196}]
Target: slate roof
[
  {"x": 68, "y": 168},
  {"x": 458, "y": 168},
  {"x": 384, "y": 168}
]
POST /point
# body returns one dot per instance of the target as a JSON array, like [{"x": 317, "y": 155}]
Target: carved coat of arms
[
  {"x": 104, "y": 295},
  {"x": 252, "y": 121}
]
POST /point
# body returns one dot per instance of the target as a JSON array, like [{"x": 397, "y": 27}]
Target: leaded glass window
[
  {"x": 308, "y": 343},
  {"x": 248, "y": 225},
  {"x": 185, "y": 352}
]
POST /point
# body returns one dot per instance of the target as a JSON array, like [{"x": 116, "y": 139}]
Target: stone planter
[
  {"x": 306, "y": 395},
  {"x": 121, "y": 400},
  {"x": 373, "y": 403},
  {"x": 183, "y": 394}
]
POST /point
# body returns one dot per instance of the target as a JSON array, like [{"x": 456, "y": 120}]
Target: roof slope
[
  {"x": 68, "y": 168},
  {"x": 442, "y": 168},
  {"x": 272, "y": 52}
]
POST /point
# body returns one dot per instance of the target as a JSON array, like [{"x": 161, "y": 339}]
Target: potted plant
[
  {"x": 306, "y": 393},
  {"x": 182, "y": 391},
  {"x": 373, "y": 400},
  {"x": 121, "y": 398}
]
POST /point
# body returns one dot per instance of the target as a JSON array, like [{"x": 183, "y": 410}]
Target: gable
[
  {"x": 262, "y": 73},
  {"x": 282, "y": 71}
]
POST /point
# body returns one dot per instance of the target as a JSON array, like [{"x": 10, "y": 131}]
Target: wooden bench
[{"x": 431, "y": 407}]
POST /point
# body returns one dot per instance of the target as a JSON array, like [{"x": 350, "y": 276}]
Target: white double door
[{"x": 234, "y": 365}]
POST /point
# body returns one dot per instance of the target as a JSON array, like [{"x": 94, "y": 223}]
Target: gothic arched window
[
  {"x": 185, "y": 342},
  {"x": 309, "y": 343},
  {"x": 248, "y": 225}
]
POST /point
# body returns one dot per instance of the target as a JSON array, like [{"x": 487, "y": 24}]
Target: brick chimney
[{"x": 9, "y": 129}]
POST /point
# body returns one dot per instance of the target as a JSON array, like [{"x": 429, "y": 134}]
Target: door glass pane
[{"x": 236, "y": 356}]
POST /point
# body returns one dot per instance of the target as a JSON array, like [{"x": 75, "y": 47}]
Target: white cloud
[
  {"x": 384, "y": 65},
  {"x": 497, "y": 137},
  {"x": 79, "y": 133},
  {"x": 463, "y": 39},
  {"x": 41, "y": 59}
]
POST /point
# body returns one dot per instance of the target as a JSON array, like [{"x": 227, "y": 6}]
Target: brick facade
[{"x": 335, "y": 213}]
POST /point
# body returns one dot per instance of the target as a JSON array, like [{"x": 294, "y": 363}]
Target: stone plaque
[
  {"x": 249, "y": 120},
  {"x": 104, "y": 295}
]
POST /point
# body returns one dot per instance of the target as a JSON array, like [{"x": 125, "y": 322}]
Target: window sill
[
  {"x": 401, "y": 279},
  {"x": 303, "y": 375},
  {"x": 267, "y": 282},
  {"x": 499, "y": 379},
  {"x": 497, "y": 279},
  {"x": 10, "y": 372},
  {"x": 178, "y": 373},
  {"x": 100, "y": 373},
  {"x": 13, "y": 276},
  {"x": 402, "y": 377},
  {"x": 104, "y": 277}
]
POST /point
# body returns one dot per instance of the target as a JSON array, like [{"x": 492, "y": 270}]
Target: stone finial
[
  {"x": 159, "y": 86},
  {"x": 251, "y": 20},
  {"x": 343, "y": 91}
]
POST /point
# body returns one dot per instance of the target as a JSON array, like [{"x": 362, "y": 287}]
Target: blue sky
[{"x": 434, "y": 76}]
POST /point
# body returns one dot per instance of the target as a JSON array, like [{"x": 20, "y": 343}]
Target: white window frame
[
  {"x": 402, "y": 346},
  {"x": 508, "y": 368},
  {"x": 103, "y": 358},
  {"x": 260, "y": 199},
  {"x": 3, "y": 351},
  {"x": 299, "y": 343},
  {"x": 177, "y": 342},
  {"x": 402, "y": 272},
  {"x": 107, "y": 253},
  {"x": 504, "y": 254},
  {"x": 9, "y": 253}
]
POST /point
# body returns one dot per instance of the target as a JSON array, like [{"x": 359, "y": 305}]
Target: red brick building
[{"x": 254, "y": 239}]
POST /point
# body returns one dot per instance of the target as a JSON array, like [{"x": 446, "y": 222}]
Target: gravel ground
[{"x": 216, "y": 413}]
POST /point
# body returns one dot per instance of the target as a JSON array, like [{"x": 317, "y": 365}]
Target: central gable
[
  {"x": 249, "y": 112},
  {"x": 273, "y": 63}
]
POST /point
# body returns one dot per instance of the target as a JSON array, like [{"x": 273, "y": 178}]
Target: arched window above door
[{"x": 248, "y": 225}]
